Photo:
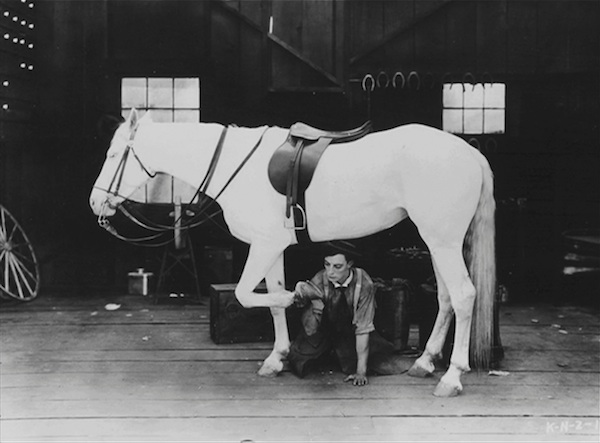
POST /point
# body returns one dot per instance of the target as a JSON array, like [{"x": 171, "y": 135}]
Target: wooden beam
[
  {"x": 280, "y": 43},
  {"x": 324, "y": 89},
  {"x": 303, "y": 59},
  {"x": 397, "y": 32}
]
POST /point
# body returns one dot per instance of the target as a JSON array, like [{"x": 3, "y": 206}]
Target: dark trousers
[{"x": 307, "y": 352}]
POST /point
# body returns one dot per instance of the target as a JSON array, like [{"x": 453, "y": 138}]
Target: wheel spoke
[
  {"x": 25, "y": 259},
  {"x": 23, "y": 267},
  {"x": 14, "y": 273},
  {"x": 16, "y": 278},
  {"x": 19, "y": 269},
  {"x": 2, "y": 224},
  {"x": 6, "y": 274},
  {"x": 12, "y": 233}
]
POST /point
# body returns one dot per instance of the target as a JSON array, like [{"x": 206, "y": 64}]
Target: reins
[{"x": 198, "y": 219}]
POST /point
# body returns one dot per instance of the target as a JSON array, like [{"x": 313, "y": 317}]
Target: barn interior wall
[{"x": 310, "y": 69}]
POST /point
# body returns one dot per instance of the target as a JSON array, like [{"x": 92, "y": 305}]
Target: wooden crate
[{"x": 230, "y": 322}]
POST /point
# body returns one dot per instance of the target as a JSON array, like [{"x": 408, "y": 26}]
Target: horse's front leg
[
  {"x": 265, "y": 259},
  {"x": 262, "y": 258},
  {"x": 273, "y": 364}
]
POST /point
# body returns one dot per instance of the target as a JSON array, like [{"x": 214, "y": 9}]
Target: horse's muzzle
[{"x": 102, "y": 203}]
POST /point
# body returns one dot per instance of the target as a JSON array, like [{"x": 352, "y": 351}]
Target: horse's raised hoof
[
  {"x": 416, "y": 370},
  {"x": 446, "y": 390},
  {"x": 269, "y": 369},
  {"x": 304, "y": 292},
  {"x": 300, "y": 300}
]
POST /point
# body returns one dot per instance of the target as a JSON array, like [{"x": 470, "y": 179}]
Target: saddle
[{"x": 293, "y": 165}]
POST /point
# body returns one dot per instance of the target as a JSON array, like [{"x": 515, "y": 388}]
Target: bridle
[
  {"x": 203, "y": 205},
  {"x": 118, "y": 176}
]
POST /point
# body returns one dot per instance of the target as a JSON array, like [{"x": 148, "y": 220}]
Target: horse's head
[{"x": 122, "y": 172}]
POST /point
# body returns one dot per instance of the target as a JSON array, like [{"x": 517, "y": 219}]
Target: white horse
[{"x": 359, "y": 188}]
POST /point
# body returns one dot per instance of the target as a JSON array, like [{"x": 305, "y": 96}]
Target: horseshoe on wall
[
  {"x": 447, "y": 78},
  {"x": 368, "y": 89},
  {"x": 396, "y": 75},
  {"x": 487, "y": 75},
  {"x": 414, "y": 74},
  {"x": 491, "y": 145},
  {"x": 469, "y": 78},
  {"x": 387, "y": 80},
  {"x": 475, "y": 143},
  {"x": 365, "y": 87}
]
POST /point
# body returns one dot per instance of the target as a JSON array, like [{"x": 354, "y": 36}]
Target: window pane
[
  {"x": 452, "y": 95},
  {"x": 192, "y": 116},
  {"x": 452, "y": 120},
  {"x": 473, "y": 121},
  {"x": 474, "y": 96},
  {"x": 162, "y": 115},
  {"x": 187, "y": 93},
  {"x": 495, "y": 94},
  {"x": 133, "y": 92},
  {"x": 494, "y": 121},
  {"x": 160, "y": 93}
]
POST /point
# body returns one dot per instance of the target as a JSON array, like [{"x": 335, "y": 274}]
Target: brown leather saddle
[{"x": 293, "y": 164}]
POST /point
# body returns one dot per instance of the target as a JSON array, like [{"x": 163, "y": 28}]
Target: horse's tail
[{"x": 481, "y": 260}]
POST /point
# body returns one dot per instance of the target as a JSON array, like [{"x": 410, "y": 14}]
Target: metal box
[{"x": 139, "y": 282}]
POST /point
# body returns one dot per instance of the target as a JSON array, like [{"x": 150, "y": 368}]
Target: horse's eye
[{"x": 111, "y": 154}]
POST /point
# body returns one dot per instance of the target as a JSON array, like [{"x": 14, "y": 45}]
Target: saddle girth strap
[{"x": 297, "y": 203}]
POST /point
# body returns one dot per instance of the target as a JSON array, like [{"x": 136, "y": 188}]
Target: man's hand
[{"x": 357, "y": 379}]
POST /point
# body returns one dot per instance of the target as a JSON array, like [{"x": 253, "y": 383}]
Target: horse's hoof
[
  {"x": 300, "y": 300},
  {"x": 270, "y": 370},
  {"x": 304, "y": 292},
  {"x": 419, "y": 371},
  {"x": 445, "y": 390}
]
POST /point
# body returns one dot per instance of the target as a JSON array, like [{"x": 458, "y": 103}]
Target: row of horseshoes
[
  {"x": 489, "y": 147},
  {"x": 413, "y": 80}
]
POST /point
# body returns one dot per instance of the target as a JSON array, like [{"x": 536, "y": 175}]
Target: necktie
[{"x": 339, "y": 310}]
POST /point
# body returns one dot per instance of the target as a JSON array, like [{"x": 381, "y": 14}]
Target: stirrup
[{"x": 290, "y": 222}]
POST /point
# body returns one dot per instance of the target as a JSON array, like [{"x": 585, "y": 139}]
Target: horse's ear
[{"x": 132, "y": 120}]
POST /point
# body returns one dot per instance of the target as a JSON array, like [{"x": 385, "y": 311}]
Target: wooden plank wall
[{"x": 501, "y": 37}]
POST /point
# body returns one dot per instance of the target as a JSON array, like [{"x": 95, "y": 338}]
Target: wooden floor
[{"x": 71, "y": 370}]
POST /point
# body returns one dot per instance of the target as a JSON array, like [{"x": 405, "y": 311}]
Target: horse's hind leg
[
  {"x": 273, "y": 364},
  {"x": 453, "y": 271},
  {"x": 425, "y": 364}
]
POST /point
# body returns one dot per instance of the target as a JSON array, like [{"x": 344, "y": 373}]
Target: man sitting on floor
[{"x": 339, "y": 308}]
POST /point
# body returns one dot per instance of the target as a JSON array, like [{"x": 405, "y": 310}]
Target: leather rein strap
[{"x": 203, "y": 202}]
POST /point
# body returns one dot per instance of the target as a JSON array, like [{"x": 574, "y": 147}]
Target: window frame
[
  {"x": 159, "y": 111},
  {"x": 484, "y": 110}
]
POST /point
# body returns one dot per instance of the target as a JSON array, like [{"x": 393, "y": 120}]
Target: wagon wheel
[{"x": 19, "y": 270}]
